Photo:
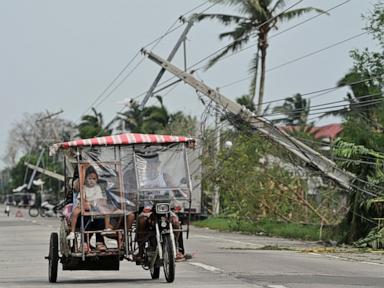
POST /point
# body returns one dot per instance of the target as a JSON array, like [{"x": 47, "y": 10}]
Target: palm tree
[
  {"x": 257, "y": 18},
  {"x": 131, "y": 120},
  {"x": 296, "y": 109},
  {"x": 364, "y": 98},
  {"x": 156, "y": 118},
  {"x": 246, "y": 101},
  {"x": 150, "y": 119},
  {"x": 93, "y": 125},
  {"x": 181, "y": 124}
]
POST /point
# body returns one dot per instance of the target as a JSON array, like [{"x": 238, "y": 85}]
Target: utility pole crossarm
[{"x": 304, "y": 152}]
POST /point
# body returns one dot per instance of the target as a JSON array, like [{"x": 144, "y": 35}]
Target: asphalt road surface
[{"x": 219, "y": 260}]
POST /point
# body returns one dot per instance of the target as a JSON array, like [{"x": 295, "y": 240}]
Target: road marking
[
  {"x": 277, "y": 286},
  {"x": 228, "y": 240},
  {"x": 206, "y": 267},
  {"x": 333, "y": 256},
  {"x": 347, "y": 259},
  {"x": 372, "y": 263}
]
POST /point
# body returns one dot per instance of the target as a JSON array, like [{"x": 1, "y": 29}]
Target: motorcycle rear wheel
[{"x": 42, "y": 212}]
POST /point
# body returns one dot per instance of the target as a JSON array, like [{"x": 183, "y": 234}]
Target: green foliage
[
  {"x": 374, "y": 239},
  {"x": 367, "y": 164},
  {"x": 93, "y": 126},
  {"x": 181, "y": 124},
  {"x": 296, "y": 108},
  {"x": 350, "y": 150},
  {"x": 20, "y": 174},
  {"x": 362, "y": 140},
  {"x": 253, "y": 187},
  {"x": 246, "y": 101},
  {"x": 19, "y": 170},
  {"x": 156, "y": 119}
]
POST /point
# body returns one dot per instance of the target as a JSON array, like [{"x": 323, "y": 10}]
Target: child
[{"x": 93, "y": 198}]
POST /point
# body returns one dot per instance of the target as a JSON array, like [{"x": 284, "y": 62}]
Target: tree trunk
[
  {"x": 263, "y": 50},
  {"x": 252, "y": 91}
]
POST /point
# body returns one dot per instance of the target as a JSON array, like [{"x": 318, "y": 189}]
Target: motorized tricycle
[{"x": 121, "y": 193}]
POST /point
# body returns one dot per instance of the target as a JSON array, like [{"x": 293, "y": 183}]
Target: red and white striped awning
[{"x": 121, "y": 139}]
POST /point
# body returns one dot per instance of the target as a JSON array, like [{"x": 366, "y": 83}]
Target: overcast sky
[{"x": 63, "y": 54}]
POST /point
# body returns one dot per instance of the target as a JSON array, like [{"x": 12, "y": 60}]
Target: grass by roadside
[{"x": 270, "y": 228}]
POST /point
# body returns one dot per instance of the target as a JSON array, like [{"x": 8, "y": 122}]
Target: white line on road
[
  {"x": 346, "y": 259},
  {"x": 206, "y": 267},
  {"x": 372, "y": 263},
  {"x": 276, "y": 286},
  {"x": 227, "y": 240}
]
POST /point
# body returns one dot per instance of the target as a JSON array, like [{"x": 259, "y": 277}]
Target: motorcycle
[
  {"x": 160, "y": 248},
  {"x": 7, "y": 210},
  {"x": 46, "y": 209}
]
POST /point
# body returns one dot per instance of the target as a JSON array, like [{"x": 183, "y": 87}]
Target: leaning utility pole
[
  {"x": 45, "y": 172},
  {"x": 304, "y": 152},
  {"x": 48, "y": 117},
  {"x": 170, "y": 57},
  {"x": 34, "y": 170},
  {"x": 216, "y": 189}
]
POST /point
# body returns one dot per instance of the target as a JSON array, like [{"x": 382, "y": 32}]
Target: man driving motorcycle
[{"x": 153, "y": 177}]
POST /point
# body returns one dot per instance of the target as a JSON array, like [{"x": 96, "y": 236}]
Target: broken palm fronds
[{"x": 374, "y": 239}]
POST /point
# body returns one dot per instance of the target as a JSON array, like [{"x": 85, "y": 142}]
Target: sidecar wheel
[
  {"x": 53, "y": 257},
  {"x": 168, "y": 259}
]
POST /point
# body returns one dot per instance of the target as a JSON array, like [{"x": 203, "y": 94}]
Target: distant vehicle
[
  {"x": 46, "y": 209},
  {"x": 7, "y": 209}
]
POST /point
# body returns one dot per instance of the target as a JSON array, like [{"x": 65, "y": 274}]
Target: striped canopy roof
[{"x": 121, "y": 139}]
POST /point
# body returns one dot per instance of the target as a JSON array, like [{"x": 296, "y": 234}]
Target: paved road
[{"x": 219, "y": 260}]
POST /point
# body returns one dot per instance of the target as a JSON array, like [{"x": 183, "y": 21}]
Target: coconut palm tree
[
  {"x": 93, "y": 125},
  {"x": 364, "y": 98},
  {"x": 246, "y": 101},
  {"x": 296, "y": 109},
  {"x": 255, "y": 20},
  {"x": 150, "y": 119},
  {"x": 155, "y": 119},
  {"x": 132, "y": 119},
  {"x": 181, "y": 124}
]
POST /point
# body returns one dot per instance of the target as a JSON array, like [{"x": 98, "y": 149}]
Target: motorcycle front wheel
[
  {"x": 155, "y": 272},
  {"x": 168, "y": 259},
  {"x": 33, "y": 211}
]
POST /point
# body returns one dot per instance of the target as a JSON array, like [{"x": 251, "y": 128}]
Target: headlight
[{"x": 162, "y": 208}]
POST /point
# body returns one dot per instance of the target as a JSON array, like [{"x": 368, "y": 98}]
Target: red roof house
[{"x": 330, "y": 131}]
